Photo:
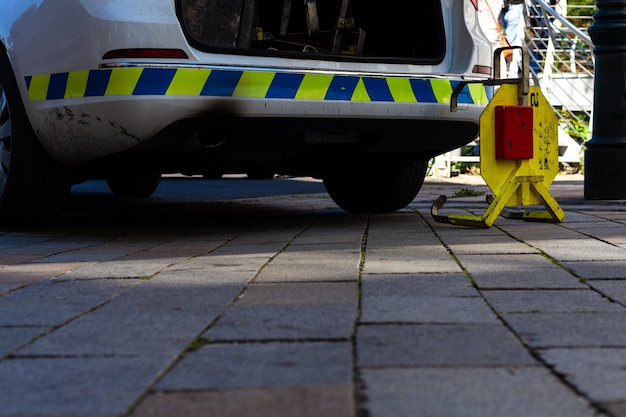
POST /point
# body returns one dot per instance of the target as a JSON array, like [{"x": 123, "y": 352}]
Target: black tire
[
  {"x": 133, "y": 185},
  {"x": 33, "y": 186},
  {"x": 383, "y": 184}
]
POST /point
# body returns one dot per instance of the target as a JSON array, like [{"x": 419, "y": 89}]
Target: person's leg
[{"x": 514, "y": 31}]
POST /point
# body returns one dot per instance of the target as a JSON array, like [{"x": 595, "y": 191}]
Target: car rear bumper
[{"x": 122, "y": 107}]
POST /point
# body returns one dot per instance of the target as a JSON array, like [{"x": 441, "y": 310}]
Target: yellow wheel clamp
[{"x": 518, "y": 153}]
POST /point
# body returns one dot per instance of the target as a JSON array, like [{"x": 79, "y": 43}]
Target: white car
[{"x": 356, "y": 93}]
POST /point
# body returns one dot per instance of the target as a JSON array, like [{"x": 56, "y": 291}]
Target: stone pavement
[{"x": 287, "y": 306}]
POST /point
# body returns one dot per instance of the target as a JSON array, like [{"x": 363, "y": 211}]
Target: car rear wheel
[
  {"x": 382, "y": 184},
  {"x": 133, "y": 185},
  {"x": 33, "y": 186}
]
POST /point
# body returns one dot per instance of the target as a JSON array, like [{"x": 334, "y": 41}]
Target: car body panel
[
  {"x": 84, "y": 107},
  {"x": 14, "y": 17},
  {"x": 123, "y": 99}
]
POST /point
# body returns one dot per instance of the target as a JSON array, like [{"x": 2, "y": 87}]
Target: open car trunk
[{"x": 364, "y": 30}]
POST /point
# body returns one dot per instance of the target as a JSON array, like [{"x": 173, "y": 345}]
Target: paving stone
[
  {"x": 15, "y": 276},
  {"x": 46, "y": 247},
  {"x": 6, "y": 287},
  {"x": 489, "y": 263},
  {"x": 614, "y": 289},
  {"x": 570, "y": 329},
  {"x": 143, "y": 264},
  {"x": 15, "y": 259},
  {"x": 104, "y": 251},
  {"x": 469, "y": 392},
  {"x": 335, "y": 252},
  {"x": 439, "y": 345},
  {"x": 543, "y": 233},
  {"x": 614, "y": 233},
  {"x": 54, "y": 302},
  {"x": 274, "y": 283},
  {"x": 598, "y": 269},
  {"x": 270, "y": 233},
  {"x": 307, "y": 270},
  {"x": 599, "y": 219},
  {"x": 20, "y": 242},
  {"x": 337, "y": 262},
  {"x": 584, "y": 250},
  {"x": 614, "y": 212},
  {"x": 181, "y": 247},
  {"x": 620, "y": 242},
  {"x": 596, "y": 372},
  {"x": 542, "y": 277},
  {"x": 333, "y": 230},
  {"x": 392, "y": 224},
  {"x": 422, "y": 298},
  {"x": 74, "y": 386},
  {"x": 161, "y": 316},
  {"x": 543, "y": 301},
  {"x": 444, "y": 230},
  {"x": 573, "y": 248},
  {"x": 301, "y": 293},
  {"x": 410, "y": 244},
  {"x": 285, "y": 322},
  {"x": 12, "y": 338},
  {"x": 216, "y": 268},
  {"x": 615, "y": 409},
  {"x": 148, "y": 261},
  {"x": 385, "y": 238},
  {"x": 418, "y": 309},
  {"x": 414, "y": 266},
  {"x": 121, "y": 268},
  {"x": 575, "y": 219},
  {"x": 421, "y": 236},
  {"x": 452, "y": 285},
  {"x": 486, "y": 245},
  {"x": 300, "y": 401},
  {"x": 256, "y": 365},
  {"x": 413, "y": 259},
  {"x": 251, "y": 250}
]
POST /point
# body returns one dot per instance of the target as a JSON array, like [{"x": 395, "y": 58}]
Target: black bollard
[{"x": 605, "y": 156}]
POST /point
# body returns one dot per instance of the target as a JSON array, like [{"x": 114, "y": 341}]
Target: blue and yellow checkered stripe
[{"x": 194, "y": 82}]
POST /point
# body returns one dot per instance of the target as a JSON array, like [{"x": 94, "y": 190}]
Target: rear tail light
[{"x": 146, "y": 53}]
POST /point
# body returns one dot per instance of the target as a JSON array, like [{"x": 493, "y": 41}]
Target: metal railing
[{"x": 562, "y": 64}]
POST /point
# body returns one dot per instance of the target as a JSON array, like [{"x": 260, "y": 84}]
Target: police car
[{"x": 354, "y": 92}]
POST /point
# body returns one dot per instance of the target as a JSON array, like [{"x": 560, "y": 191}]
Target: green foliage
[
  {"x": 471, "y": 168},
  {"x": 580, "y": 12},
  {"x": 197, "y": 344},
  {"x": 467, "y": 192},
  {"x": 577, "y": 126}
]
